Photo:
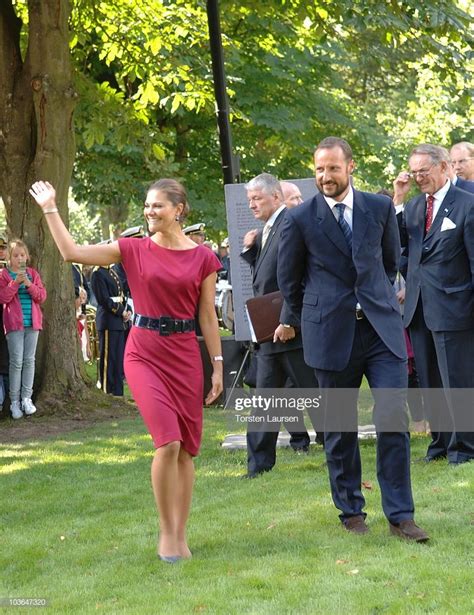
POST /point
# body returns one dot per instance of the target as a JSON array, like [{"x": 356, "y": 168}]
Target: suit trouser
[
  {"x": 387, "y": 377},
  {"x": 111, "y": 351},
  {"x": 272, "y": 372},
  {"x": 444, "y": 360}
]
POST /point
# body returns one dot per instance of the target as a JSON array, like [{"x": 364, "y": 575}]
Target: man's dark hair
[{"x": 330, "y": 142}]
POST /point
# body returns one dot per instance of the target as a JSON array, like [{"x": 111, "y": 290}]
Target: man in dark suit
[
  {"x": 463, "y": 184},
  {"x": 276, "y": 362},
  {"x": 438, "y": 230},
  {"x": 337, "y": 262},
  {"x": 456, "y": 180}
]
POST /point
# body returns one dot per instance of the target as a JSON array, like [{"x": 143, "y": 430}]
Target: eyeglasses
[{"x": 421, "y": 174}]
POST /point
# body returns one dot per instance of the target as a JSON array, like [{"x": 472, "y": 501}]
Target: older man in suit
[
  {"x": 456, "y": 180},
  {"x": 438, "y": 229},
  {"x": 276, "y": 362},
  {"x": 462, "y": 159},
  {"x": 291, "y": 194},
  {"x": 338, "y": 259}
]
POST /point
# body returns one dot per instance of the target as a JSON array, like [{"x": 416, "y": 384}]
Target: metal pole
[{"x": 229, "y": 163}]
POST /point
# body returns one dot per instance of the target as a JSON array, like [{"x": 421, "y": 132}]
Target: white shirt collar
[
  {"x": 441, "y": 193},
  {"x": 348, "y": 200},
  {"x": 274, "y": 216}
]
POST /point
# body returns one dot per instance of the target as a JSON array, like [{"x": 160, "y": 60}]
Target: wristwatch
[
  {"x": 218, "y": 357},
  {"x": 286, "y": 326}
]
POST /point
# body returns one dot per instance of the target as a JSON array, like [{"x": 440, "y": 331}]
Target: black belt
[
  {"x": 359, "y": 314},
  {"x": 165, "y": 325}
]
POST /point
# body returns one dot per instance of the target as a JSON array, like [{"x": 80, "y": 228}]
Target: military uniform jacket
[{"x": 107, "y": 288}]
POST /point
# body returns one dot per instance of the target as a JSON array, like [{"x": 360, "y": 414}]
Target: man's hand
[
  {"x": 401, "y": 296},
  {"x": 401, "y": 187},
  {"x": 126, "y": 316},
  {"x": 250, "y": 238},
  {"x": 283, "y": 334}
]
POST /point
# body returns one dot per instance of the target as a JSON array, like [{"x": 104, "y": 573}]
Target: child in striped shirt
[{"x": 21, "y": 292}]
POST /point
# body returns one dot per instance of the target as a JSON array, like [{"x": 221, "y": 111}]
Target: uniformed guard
[
  {"x": 81, "y": 286},
  {"x": 138, "y": 232},
  {"x": 111, "y": 319},
  {"x": 196, "y": 232},
  {"x": 127, "y": 298},
  {"x": 133, "y": 231}
]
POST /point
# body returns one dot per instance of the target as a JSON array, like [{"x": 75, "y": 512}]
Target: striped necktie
[
  {"x": 344, "y": 226},
  {"x": 266, "y": 231}
]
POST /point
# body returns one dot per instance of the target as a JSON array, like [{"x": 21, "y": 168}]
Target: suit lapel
[
  {"x": 266, "y": 248},
  {"x": 360, "y": 221},
  {"x": 328, "y": 224}
]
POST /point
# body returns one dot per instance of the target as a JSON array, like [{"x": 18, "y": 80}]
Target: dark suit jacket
[
  {"x": 264, "y": 276},
  {"x": 441, "y": 265},
  {"x": 465, "y": 184},
  {"x": 320, "y": 279},
  {"x": 79, "y": 280}
]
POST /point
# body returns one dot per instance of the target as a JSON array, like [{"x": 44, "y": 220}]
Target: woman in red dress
[{"x": 171, "y": 279}]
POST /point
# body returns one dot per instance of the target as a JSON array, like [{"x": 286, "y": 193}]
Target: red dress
[{"x": 164, "y": 373}]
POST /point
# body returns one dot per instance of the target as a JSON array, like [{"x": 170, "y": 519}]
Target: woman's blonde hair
[{"x": 17, "y": 243}]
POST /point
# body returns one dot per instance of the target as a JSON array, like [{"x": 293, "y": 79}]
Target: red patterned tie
[{"x": 429, "y": 212}]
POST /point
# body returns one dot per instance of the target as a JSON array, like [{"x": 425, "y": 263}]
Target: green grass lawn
[{"x": 78, "y": 527}]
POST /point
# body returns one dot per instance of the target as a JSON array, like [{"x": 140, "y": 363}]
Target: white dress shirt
[
  {"x": 348, "y": 201},
  {"x": 439, "y": 197},
  {"x": 271, "y": 220}
]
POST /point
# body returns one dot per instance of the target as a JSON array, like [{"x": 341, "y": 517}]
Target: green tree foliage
[
  {"x": 383, "y": 74},
  {"x": 125, "y": 94}
]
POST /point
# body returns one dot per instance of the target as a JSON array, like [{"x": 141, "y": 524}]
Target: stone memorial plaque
[{"x": 240, "y": 220}]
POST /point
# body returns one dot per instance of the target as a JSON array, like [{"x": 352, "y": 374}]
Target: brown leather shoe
[
  {"x": 356, "y": 525},
  {"x": 409, "y": 531}
]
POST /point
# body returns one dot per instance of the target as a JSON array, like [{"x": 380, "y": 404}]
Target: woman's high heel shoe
[{"x": 170, "y": 559}]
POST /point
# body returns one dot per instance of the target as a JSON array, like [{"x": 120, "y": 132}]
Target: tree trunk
[{"x": 37, "y": 100}]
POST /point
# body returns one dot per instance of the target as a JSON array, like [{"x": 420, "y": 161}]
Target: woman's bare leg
[
  {"x": 184, "y": 496},
  {"x": 164, "y": 479}
]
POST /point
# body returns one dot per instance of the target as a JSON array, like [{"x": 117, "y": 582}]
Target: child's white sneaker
[
  {"x": 15, "y": 409},
  {"x": 27, "y": 406}
]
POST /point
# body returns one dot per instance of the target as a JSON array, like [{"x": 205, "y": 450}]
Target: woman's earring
[{"x": 177, "y": 218}]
